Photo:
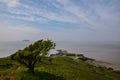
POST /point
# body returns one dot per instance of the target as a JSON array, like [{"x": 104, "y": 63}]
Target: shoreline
[{"x": 105, "y": 64}]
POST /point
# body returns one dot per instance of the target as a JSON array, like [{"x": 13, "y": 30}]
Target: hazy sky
[{"x": 60, "y": 20}]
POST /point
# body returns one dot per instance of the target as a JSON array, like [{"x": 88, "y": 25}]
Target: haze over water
[
  {"x": 108, "y": 52},
  {"x": 103, "y": 51}
]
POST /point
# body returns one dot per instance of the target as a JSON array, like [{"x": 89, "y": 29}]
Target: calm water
[
  {"x": 8, "y": 48},
  {"x": 109, "y": 52}
]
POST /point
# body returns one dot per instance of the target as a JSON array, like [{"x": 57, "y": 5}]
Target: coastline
[{"x": 105, "y": 64}]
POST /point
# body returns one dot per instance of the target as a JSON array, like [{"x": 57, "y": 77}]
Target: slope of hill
[{"x": 56, "y": 68}]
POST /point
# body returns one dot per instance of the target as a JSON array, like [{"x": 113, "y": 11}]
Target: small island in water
[{"x": 26, "y": 40}]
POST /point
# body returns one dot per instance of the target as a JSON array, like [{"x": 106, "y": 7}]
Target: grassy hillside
[{"x": 56, "y": 68}]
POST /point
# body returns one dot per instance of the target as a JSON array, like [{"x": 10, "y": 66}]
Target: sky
[{"x": 60, "y": 20}]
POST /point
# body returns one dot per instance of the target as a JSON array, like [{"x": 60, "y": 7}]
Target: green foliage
[
  {"x": 59, "y": 68},
  {"x": 37, "y": 76},
  {"x": 31, "y": 54}
]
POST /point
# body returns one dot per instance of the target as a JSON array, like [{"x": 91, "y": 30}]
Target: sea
[{"x": 100, "y": 51}]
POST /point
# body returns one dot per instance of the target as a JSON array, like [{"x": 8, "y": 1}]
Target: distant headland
[{"x": 25, "y": 40}]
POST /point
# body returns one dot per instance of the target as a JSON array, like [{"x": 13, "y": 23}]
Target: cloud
[
  {"x": 23, "y": 11},
  {"x": 65, "y": 11},
  {"x": 90, "y": 19},
  {"x": 77, "y": 11},
  {"x": 10, "y": 3},
  {"x": 95, "y": 15}
]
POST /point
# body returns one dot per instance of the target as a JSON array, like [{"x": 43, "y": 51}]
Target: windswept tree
[{"x": 31, "y": 54}]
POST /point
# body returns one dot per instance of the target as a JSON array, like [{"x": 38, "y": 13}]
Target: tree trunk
[{"x": 31, "y": 69}]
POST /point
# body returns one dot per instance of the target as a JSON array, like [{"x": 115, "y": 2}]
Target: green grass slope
[{"x": 56, "y": 68}]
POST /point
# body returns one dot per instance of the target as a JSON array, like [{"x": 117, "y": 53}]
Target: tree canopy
[{"x": 31, "y": 54}]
